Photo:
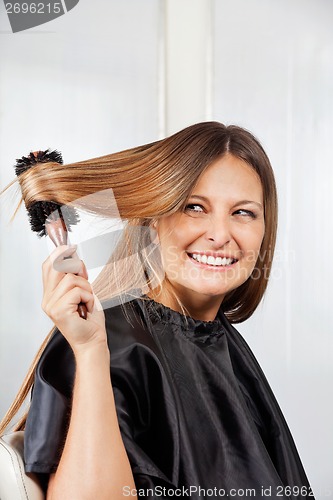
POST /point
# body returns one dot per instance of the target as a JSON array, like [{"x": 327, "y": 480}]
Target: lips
[{"x": 211, "y": 260}]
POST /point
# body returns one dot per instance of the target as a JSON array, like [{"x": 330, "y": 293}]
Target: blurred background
[{"x": 109, "y": 75}]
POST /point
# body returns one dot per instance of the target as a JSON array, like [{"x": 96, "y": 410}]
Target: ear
[{"x": 154, "y": 235}]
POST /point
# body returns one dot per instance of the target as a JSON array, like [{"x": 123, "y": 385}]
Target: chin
[{"x": 209, "y": 291}]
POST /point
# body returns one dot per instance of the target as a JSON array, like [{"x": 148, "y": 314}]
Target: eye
[
  {"x": 194, "y": 207},
  {"x": 245, "y": 213}
]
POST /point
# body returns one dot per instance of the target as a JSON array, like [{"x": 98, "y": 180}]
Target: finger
[
  {"x": 83, "y": 272},
  {"x": 58, "y": 253},
  {"x": 97, "y": 314},
  {"x": 97, "y": 305},
  {"x": 78, "y": 295},
  {"x": 67, "y": 283},
  {"x": 68, "y": 304},
  {"x": 68, "y": 264}
]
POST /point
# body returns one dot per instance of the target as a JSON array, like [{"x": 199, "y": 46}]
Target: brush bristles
[
  {"x": 23, "y": 164},
  {"x": 39, "y": 211}
]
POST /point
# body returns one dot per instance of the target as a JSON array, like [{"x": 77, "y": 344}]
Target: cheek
[
  {"x": 261, "y": 234},
  {"x": 181, "y": 235},
  {"x": 251, "y": 242},
  {"x": 257, "y": 242},
  {"x": 171, "y": 244},
  {"x": 258, "y": 237}
]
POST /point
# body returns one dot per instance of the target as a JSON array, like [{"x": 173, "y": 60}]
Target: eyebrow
[{"x": 241, "y": 202}]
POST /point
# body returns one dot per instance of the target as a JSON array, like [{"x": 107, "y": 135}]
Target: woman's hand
[
  {"x": 65, "y": 286},
  {"x": 93, "y": 425}
]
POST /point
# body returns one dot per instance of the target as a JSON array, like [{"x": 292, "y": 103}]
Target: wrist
[{"x": 92, "y": 350}]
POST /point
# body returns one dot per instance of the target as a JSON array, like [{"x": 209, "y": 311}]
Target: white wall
[
  {"x": 273, "y": 74},
  {"x": 86, "y": 84},
  {"x": 114, "y": 74}
]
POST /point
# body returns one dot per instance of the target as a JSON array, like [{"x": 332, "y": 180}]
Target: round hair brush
[{"x": 48, "y": 217}]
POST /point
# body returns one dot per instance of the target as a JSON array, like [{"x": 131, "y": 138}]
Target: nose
[{"x": 219, "y": 230}]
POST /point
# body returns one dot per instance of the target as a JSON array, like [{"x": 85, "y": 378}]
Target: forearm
[{"x": 94, "y": 462}]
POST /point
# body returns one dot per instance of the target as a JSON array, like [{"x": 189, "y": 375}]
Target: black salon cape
[{"x": 194, "y": 408}]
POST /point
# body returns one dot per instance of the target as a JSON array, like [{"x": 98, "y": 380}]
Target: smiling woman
[
  {"x": 187, "y": 407},
  {"x": 210, "y": 248}
]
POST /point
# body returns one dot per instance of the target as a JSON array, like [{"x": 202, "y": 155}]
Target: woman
[{"x": 187, "y": 410}]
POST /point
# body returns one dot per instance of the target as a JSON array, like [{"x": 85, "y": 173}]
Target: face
[{"x": 211, "y": 247}]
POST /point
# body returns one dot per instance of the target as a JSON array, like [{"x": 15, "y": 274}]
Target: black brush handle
[{"x": 57, "y": 231}]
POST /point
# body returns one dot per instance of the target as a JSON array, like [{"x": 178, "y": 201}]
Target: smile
[{"x": 209, "y": 260}]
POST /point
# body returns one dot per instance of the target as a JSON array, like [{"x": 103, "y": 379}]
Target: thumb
[{"x": 68, "y": 264}]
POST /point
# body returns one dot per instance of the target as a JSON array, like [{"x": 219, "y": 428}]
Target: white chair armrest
[{"x": 15, "y": 484}]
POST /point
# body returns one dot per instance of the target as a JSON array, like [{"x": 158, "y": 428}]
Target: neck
[{"x": 204, "y": 308}]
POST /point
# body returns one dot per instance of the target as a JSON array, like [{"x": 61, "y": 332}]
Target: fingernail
[
  {"x": 68, "y": 252},
  {"x": 71, "y": 249}
]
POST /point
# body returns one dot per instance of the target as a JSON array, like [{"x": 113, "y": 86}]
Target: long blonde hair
[{"x": 150, "y": 182}]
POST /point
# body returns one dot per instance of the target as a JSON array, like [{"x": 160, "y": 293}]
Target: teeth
[{"x": 218, "y": 261}]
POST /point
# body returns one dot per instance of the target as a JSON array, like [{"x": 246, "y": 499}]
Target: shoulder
[{"x": 128, "y": 325}]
